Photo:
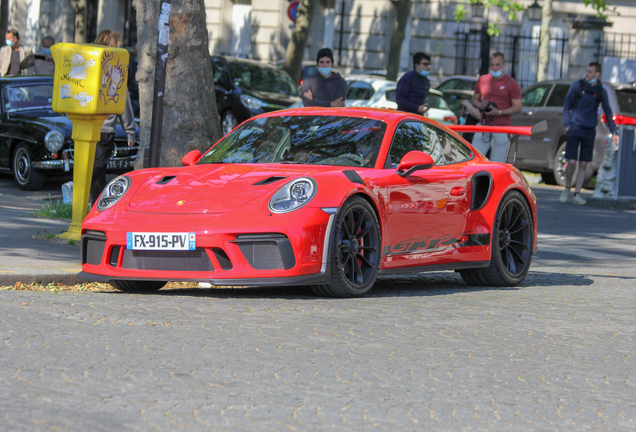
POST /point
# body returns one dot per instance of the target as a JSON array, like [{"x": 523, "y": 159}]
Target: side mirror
[
  {"x": 191, "y": 158},
  {"x": 414, "y": 161},
  {"x": 539, "y": 131}
]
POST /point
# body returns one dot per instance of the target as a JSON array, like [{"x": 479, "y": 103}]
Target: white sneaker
[
  {"x": 565, "y": 196},
  {"x": 578, "y": 200}
]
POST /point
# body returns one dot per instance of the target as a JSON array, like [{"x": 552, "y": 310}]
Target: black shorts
[{"x": 584, "y": 137}]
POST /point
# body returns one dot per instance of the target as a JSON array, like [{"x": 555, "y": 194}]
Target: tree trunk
[
  {"x": 299, "y": 36},
  {"x": 190, "y": 119},
  {"x": 402, "y": 12},
  {"x": 4, "y": 18},
  {"x": 80, "y": 22},
  {"x": 544, "y": 41}
]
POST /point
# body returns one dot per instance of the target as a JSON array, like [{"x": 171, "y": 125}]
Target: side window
[
  {"x": 454, "y": 150},
  {"x": 220, "y": 76},
  {"x": 413, "y": 135},
  {"x": 448, "y": 85},
  {"x": 391, "y": 95},
  {"x": 359, "y": 90},
  {"x": 534, "y": 96},
  {"x": 557, "y": 97}
]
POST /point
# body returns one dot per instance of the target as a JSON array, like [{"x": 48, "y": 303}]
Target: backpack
[{"x": 598, "y": 95}]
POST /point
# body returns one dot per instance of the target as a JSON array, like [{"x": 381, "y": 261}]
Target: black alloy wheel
[
  {"x": 355, "y": 249},
  {"x": 512, "y": 245}
]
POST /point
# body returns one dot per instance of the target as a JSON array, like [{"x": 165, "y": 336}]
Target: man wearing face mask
[
  {"x": 497, "y": 96},
  {"x": 12, "y": 55},
  {"x": 326, "y": 88},
  {"x": 412, "y": 89},
  {"x": 580, "y": 115},
  {"x": 42, "y": 63}
]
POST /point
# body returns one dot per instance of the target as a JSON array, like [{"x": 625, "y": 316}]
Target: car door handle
[
  {"x": 528, "y": 113},
  {"x": 457, "y": 191}
]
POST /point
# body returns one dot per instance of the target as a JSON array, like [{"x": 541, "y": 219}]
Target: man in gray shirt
[
  {"x": 12, "y": 54},
  {"x": 326, "y": 88}
]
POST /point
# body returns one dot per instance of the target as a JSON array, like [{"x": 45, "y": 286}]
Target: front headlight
[
  {"x": 251, "y": 102},
  {"x": 113, "y": 192},
  {"x": 293, "y": 195},
  {"x": 54, "y": 141}
]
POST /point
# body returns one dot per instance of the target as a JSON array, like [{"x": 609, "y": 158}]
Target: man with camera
[{"x": 497, "y": 96}]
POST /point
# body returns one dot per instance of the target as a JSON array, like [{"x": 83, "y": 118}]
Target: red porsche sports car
[{"x": 324, "y": 197}]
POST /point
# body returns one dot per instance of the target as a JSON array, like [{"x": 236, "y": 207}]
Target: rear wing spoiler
[{"x": 536, "y": 132}]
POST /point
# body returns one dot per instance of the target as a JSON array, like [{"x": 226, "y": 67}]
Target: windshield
[
  {"x": 251, "y": 76},
  {"x": 27, "y": 96},
  {"x": 313, "y": 140}
]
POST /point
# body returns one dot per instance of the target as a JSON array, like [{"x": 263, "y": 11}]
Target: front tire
[
  {"x": 138, "y": 286},
  {"x": 27, "y": 177},
  {"x": 228, "y": 122},
  {"x": 355, "y": 248},
  {"x": 512, "y": 245}
]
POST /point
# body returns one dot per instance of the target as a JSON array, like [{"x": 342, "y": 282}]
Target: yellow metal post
[
  {"x": 86, "y": 133},
  {"x": 90, "y": 84}
]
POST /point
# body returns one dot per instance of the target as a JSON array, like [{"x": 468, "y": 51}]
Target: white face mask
[{"x": 9, "y": 42}]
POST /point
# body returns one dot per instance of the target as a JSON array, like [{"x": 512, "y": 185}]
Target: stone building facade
[{"x": 359, "y": 32}]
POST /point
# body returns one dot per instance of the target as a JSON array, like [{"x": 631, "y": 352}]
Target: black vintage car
[
  {"x": 245, "y": 88},
  {"x": 35, "y": 141}
]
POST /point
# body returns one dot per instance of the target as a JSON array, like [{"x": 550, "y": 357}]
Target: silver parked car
[{"x": 544, "y": 101}]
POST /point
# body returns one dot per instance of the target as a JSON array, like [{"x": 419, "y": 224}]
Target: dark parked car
[
  {"x": 245, "y": 88},
  {"x": 35, "y": 141},
  {"x": 544, "y": 101}
]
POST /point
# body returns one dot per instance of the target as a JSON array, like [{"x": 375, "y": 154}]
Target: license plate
[
  {"x": 117, "y": 164},
  {"x": 161, "y": 241}
]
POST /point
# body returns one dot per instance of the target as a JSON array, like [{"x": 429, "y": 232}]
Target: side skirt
[{"x": 437, "y": 267}]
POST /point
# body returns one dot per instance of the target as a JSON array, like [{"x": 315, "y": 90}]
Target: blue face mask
[
  {"x": 496, "y": 74},
  {"x": 9, "y": 42},
  {"x": 425, "y": 72},
  {"x": 592, "y": 81},
  {"x": 46, "y": 51},
  {"x": 324, "y": 71}
]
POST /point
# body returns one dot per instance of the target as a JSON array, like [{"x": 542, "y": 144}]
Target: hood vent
[
  {"x": 269, "y": 180},
  {"x": 166, "y": 180}
]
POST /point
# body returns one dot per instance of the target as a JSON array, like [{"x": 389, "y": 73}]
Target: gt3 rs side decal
[{"x": 427, "y": 244}]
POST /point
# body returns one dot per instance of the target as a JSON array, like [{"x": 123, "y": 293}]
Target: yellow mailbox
[
  {"x": 89, "y": 85},
  {"x": 89, "y": 79}
]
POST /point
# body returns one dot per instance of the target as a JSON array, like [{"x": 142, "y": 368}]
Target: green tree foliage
[{"x": 511, "y": 7}]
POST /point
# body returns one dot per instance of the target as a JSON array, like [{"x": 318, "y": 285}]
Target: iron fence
[{"x": 520, "y": 52}]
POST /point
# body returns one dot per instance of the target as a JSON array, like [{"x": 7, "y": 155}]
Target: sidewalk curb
[
  {"x": 7, "y": 279},
  {"x": 615, "y": 203}
]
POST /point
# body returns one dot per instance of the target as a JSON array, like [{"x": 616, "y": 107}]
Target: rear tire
[
  {"x": 355, "y": 250},
  {"x": 558, "y": 169},
  {"x": 138, "y": 286},
  {"x": 512, "y": 245}
]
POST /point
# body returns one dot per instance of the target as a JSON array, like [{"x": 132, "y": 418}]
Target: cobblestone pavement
[{"x": 423, "y": 352}]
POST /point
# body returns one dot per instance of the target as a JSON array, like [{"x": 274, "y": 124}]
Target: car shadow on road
[{"x": 407, "y": 285}]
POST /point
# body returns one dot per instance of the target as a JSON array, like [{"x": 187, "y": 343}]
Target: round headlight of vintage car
[
  {"x": 293, "y": 195},
  {"x": 113, "y": 192},
  {"x": 54, "y": 141},
  {"x": 251, "y": 102}
]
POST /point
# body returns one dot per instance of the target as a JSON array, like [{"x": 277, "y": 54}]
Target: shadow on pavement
[{"x": 413, "y": 285}]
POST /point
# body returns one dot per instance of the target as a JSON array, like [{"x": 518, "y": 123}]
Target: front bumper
[
  {"x": 284, "y": 253},
  {"x": 122, "y": 159}
]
